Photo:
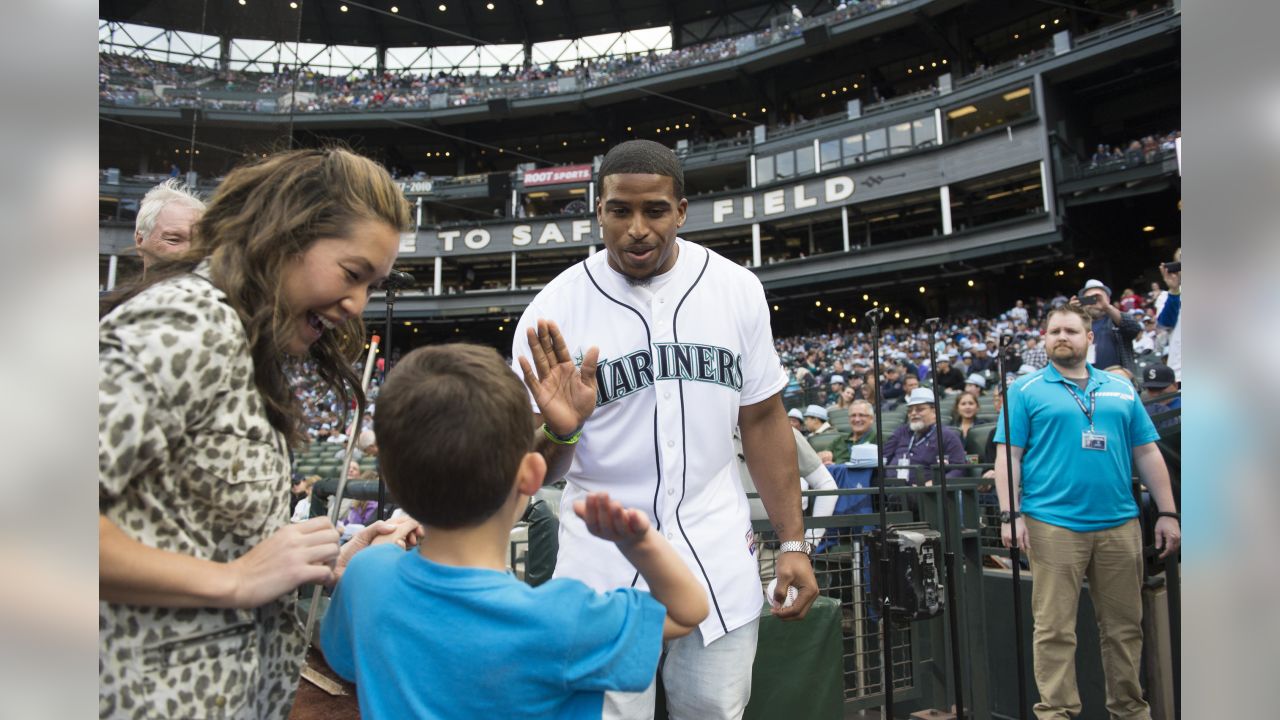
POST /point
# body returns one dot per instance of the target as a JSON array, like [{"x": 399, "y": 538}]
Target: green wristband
[{"x": 571, "y": 439}]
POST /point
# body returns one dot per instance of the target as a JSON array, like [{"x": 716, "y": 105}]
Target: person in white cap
[
  {"x": 837, "y": 384},
  {"x": 796, "y": 418},
  {"x": 949, "y": 379},
  {"x": 916, "y": 443},
  {"x": 824, "y": 437},
  {"x": 975, "y": 384}
]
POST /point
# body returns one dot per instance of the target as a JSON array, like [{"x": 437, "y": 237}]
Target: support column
[
  {"x": 439, "y": 279},
  {"x": 1044, "y": 187},
  {"x": 944, "y": 194},
  {"x": 513, "y": 269},
  {"x": 844, "y": 225},
  {"x": 755, "y": 244},
  {"x": 113, "y": 263},
  {"x": 817, "y": 158}
]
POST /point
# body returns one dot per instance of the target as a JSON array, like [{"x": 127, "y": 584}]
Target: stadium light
[
  {"x": 1149, "y": 228},
  {"x": 817, "y": 303},
  {"x": 538, "y": 3},
  {"x": 442, "y": 7},
  {"x": 865, "y": 297},
  {"x": 841, "y": 313},
  {"x": 921, "y": 289},
  {"x": 293, "y": 6},
  {"x": 828, "y": 308},
  {"x": 489, "y": 6},
  {"x": 395, "y": 9},
  {"x": 242, "y": 2},
  {"x": 970, "y": 283},
  {"x": 1041, "y": 26},
  {"x": 343, "y": 8},
  {"x": 1080, "y": 264},
  {"x": 775, "y": 308}
]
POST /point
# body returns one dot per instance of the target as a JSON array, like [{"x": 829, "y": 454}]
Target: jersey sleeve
[
  {"x": 158, "y": 373},
  {"x": 615, "y": 639},
  {"x": 805, "y": 454},
  {"x": 762, "y": 374}
]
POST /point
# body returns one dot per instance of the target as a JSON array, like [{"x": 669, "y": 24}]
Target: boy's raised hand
[{"x": 608, "y": 520}]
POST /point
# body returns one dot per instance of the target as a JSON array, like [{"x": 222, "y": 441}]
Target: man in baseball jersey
[
  {"x": 1075, "y": 433},
  {"x": 640, "y": 361}
]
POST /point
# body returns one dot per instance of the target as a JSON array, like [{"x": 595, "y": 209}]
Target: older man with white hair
[
  {"x": 916, "y": 443},
  {"x": 165, "y": 217}
]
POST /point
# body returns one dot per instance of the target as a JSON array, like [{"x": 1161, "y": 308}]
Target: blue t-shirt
[
  {"x": 424, "y": 640},
  {"x": 1063, "y": 483}
]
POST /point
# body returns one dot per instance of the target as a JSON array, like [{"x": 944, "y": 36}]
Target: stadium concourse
[{"x": 958, "y": 170}]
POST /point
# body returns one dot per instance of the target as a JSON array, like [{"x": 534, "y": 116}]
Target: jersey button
[
  {"x": 670, "y": 535},
  {"x": 666, "y": 395},
  {"x": 671, "y": 491},
  {"x": 671, "y": 443}
]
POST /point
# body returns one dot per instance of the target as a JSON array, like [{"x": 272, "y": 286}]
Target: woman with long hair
[
  {"x": 198, "y": 562},
  {"x": 964, "y": 413}
]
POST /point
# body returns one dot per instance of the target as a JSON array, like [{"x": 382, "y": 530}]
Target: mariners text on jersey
[{"x": 636, "y": 371}]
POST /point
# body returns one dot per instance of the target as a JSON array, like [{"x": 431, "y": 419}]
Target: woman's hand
[{"x": 294, "y": 555}]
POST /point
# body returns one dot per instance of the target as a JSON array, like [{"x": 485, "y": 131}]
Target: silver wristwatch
[{"x": 797, "y": 546}]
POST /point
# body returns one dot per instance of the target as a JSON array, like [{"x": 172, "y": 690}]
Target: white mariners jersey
[{"x": 675, "y": 365}]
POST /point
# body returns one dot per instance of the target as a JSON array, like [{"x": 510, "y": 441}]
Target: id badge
[
  {"x": 1093, "y": 441},
  {"x": 903, "y": 472}
]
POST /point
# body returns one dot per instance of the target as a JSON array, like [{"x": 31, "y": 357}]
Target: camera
[
  {"x": 1088, "y": 299},
  {"x": 1172, "y": 267}
]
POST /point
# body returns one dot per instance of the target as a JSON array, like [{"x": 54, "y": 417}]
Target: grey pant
[{"x": 701, "y": 683}]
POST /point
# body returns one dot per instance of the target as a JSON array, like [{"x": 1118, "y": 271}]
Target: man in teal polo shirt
[{"x": 1075, "y": 435}]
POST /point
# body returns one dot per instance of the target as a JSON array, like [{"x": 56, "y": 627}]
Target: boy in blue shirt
[{"x": 446, "y": 631}]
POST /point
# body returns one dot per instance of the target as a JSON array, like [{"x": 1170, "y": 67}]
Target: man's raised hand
[{"x": 565, "y": 392}]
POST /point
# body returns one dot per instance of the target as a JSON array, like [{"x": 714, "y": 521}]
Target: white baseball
[{"x": 791, "y": 594}]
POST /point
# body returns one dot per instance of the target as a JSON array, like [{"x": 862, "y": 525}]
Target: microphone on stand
[{"x": 398, "y": 280}]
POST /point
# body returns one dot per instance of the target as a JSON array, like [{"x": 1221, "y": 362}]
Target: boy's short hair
[
  {"x": 643, "y": 157},
  {"x": 453, "y": 424}
]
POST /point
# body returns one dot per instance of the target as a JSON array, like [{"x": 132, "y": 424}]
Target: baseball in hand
[{"x": 791, "y": 594}]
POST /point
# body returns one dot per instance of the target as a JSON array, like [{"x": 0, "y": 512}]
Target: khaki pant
[{"x": 1112, "y": 560}]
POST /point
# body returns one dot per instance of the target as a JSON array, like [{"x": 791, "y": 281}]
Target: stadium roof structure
[{"x": 423, "y": 23}]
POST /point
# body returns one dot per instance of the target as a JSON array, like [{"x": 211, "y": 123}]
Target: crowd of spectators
[
  {"x": 140, "y": 81},
  {"x": 1138, "y": 151},
  {"x": 823, "y": 367}
]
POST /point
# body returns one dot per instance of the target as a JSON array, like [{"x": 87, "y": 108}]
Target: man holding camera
[{"x": 1113, "y": 331}]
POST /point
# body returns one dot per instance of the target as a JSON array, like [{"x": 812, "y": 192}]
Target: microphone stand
[
  {"x": 948, "y": 549},
  {"x": 886, "y": 650},
  {"x": 1015, "y": 553},
  {"x": 397, "y": 280}
]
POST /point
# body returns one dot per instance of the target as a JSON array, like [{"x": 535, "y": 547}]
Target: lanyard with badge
[
  {"x": 905, "y": 460},
  {"x": 1089, "y": 439}
]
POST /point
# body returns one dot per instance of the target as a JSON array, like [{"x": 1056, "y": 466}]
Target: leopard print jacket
[{"x": 188, "y": 462}]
